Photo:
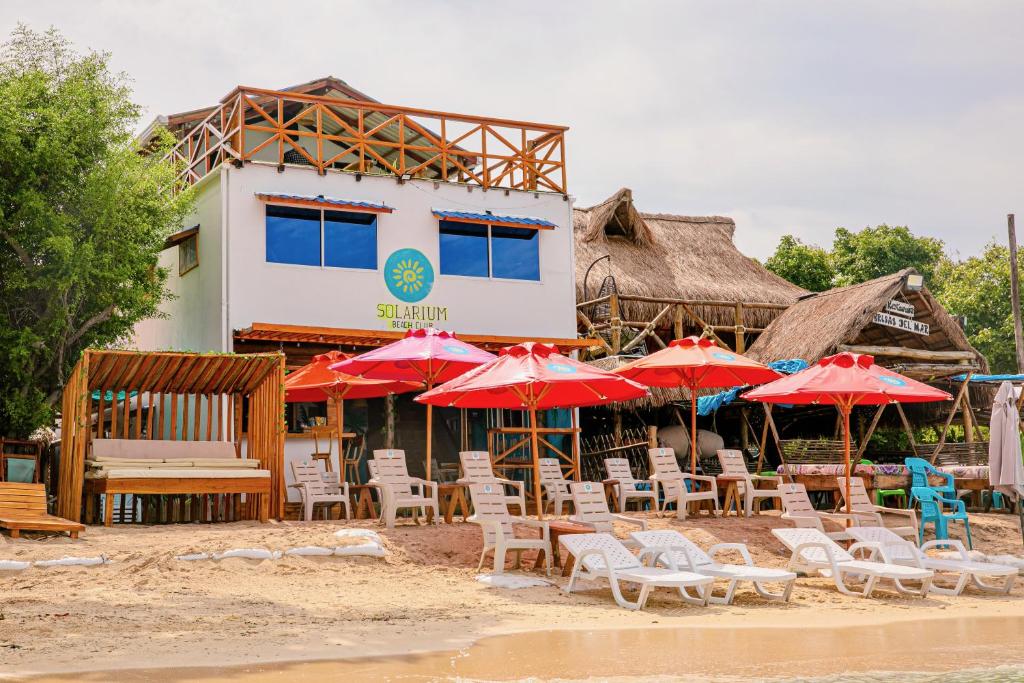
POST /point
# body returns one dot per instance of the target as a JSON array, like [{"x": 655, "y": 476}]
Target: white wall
[
  {"x": 348, "y": 298},
  {"x": 194, "y": 316}
]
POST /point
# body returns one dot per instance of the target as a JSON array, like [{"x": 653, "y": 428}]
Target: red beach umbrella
[
  {"x": 846, "y": 380},
  {"x": 426, "y": 356},
  {"x": 316, "y": 382},
  {"x": 696, "y": 363},
  {"x": 533, "y": 376}
]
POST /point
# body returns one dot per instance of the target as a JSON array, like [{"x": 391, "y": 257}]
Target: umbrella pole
[
  {"x": 693, "y": 430},
  {"x": 430, "y": 435},
  {"x": 845, "y": 410},
  {"x": 339, "y": 406},
  {"x": 534, "y": 446}
]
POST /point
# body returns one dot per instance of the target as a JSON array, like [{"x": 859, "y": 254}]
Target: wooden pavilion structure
[{"x": 187, "y": 397}]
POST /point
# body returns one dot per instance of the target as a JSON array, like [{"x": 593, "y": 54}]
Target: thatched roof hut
[
  {"x": 674, "y": 257},
  {"x": 843, "y": 319}
]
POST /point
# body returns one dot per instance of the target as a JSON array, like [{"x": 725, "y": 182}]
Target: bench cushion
[
  {"x": 161, "y": 449},
  {"x": 180, "y": 473}
]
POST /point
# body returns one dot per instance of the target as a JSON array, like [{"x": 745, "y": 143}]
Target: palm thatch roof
[
  {"x": 820, "y": 324},
  {"x": 674, "y": 257}
]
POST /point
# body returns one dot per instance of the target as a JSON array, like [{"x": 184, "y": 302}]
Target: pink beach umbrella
[{"x": 426, "y": 356}]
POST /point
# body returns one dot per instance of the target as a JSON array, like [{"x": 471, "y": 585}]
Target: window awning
[
  {"x": 321, "y": 202},
  {"x": 180, "y": 236},
  {"x": 491, "y": 219}
]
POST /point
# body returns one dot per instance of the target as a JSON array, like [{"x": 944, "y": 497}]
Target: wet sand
[{"x": 687, "y": 653}]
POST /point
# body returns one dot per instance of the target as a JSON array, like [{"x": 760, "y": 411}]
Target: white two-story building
[{"x": 325, "y": 220}]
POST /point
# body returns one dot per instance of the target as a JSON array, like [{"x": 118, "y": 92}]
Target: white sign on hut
[
  {"x": 901, "y": 323},
  {"x": 897, "y": 307}
]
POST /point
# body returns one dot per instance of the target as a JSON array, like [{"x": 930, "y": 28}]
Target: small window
[
  {"x": 293, "y": 235},
  {"x": 514, "y": 253},
  {"x": 464, "y": 249},
  {"x": 188, "y": 254},
  {"x": 350, "y": 240}
]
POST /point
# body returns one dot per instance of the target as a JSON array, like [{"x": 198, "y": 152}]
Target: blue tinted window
[
  {"x": 515, "y": 254},
  {"x": 293, "y": 235},
  {"x": 350, "y": 240},
  {"x": 463, "y": 249}
]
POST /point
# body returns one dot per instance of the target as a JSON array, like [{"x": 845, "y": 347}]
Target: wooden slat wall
[
  {"x": 266, "y": 437},
  {"x": 74, "y": 436}
]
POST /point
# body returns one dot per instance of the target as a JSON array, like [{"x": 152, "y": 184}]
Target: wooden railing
[
  {"x": 254, "y": 125},
  {"x": 601, "y": 319}
]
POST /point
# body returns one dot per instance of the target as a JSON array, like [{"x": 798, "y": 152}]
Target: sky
[{"x": 791, "y": 117}]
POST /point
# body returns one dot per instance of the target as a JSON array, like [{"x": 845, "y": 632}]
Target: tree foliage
[
  {"x": 802, "y": 264},
  {"x": 979, "y": 289},
  {"x": 83, "y": 217},
  {"x": 882, "y": 250}
]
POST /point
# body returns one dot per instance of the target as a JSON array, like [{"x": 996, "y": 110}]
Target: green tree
[
  {"x": 83, "y": 216},
  {"x": 878, "y": 251},
  {"x": 806, "y": 265},
  {"x": 979, "y": 288}
]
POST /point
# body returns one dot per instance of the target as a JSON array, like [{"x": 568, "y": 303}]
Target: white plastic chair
[
  {"x": 861, "y": 504},
  {"x": 602, "y": 556},
  {"x": 797, "y": 508},
  {"x": 490, "y": 511},
  {"x": 671, "y": 481},
  {"x": 691, "y": 556},
  {"x": 400, "y": 490},
  {"x": 896, "y": 550},
  {"x": 734, "y": 466},
  {"x": 813, "y": 551},
  {"x": 476, "y": 469},
  {"x": 591, "y": 509},
  {"x": 319, "y": 489},
  {"x": 556, "y": 488},
  {"x": 626, "y": 488}
]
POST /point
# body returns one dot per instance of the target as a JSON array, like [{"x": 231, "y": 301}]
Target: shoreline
[{"x": 981, "y": 643}]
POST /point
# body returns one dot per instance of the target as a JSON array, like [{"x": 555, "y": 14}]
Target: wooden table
[
  {"x": 732, "y": 493},
  {"x": 363, "y": 507},
  {"x": 450, "y": 497},
  {"x": 556, "y": 531},
  {"x": 611, "y": 493}
]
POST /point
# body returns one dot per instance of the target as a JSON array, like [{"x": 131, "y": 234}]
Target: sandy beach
[{"x": 147, "y": 610}]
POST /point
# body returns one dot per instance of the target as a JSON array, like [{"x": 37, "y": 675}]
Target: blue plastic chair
[
  {"x": 920, "y": 470},
  {"x": 932, "y": 513}
]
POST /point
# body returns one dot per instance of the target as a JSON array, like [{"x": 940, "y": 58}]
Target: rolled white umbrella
[{"x": 1005, "y": 467}]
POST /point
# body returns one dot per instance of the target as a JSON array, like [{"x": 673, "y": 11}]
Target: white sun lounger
[
  {"x": 692, "y": 557},
  {"x": 860, "y": 504},
  {"x": 490, "y": 511},
  {"x": 813, "y": 551},
  {"x": 602, "y": 556},
  {"x": 591, "y": 509},
  {"x": 896, "y": 550}
]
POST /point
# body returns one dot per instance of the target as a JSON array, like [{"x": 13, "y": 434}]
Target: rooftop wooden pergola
[{"x": 178, "y": 397}]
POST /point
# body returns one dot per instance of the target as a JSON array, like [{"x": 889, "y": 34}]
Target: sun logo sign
[{"x": 409, "y": 275}]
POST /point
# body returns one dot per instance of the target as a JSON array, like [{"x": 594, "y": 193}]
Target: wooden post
[
  {"x": 677, "y": 322},
  {"x": 865, "y": 437},
  {"x": 535, "y": 447},
  {"x": 949, "y": 418},
  {"x": 615, "y": 318},
  {"x": 389, "y": 421},
  {"x": 652, "y": 436},
  {"x": 1018, "y": 330},
  {"x": 741, "y": 343}
]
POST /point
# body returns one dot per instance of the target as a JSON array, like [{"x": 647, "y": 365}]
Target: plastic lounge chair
[
  {"x": 920, "y": 469},
  {"x": 932, "y": 512},
  {"x": 813, "y": 551},
  {"x": 861, "y": 504},
  {"x": 692, "y": 557},
  {"x": 399, "y": 490},
  {"x": 591, "y": 509},
  {"x": 896, "y": 550},
  {"x": 315, "y": 490},
  {"x": 797, "y": 508},
  {"x": 626, "y": 488},
  {"x": 23, "y": 508},
  {"x": 602, "y": 556},
  {"x": 556, "y": 488},
  {"x": 677, "y": 486},
  {"x": 490, "y": 511},
  {"x": 734, "y": 466},
  {"x": 476, "y": 469}
]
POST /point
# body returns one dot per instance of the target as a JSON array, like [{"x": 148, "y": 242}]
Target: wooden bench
[
  {"x": 23, "y": 508},
  {"x": 166, "y": 467},
  {"x": 954, "y": 455},
  {"x": 818, "y": 452}
]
